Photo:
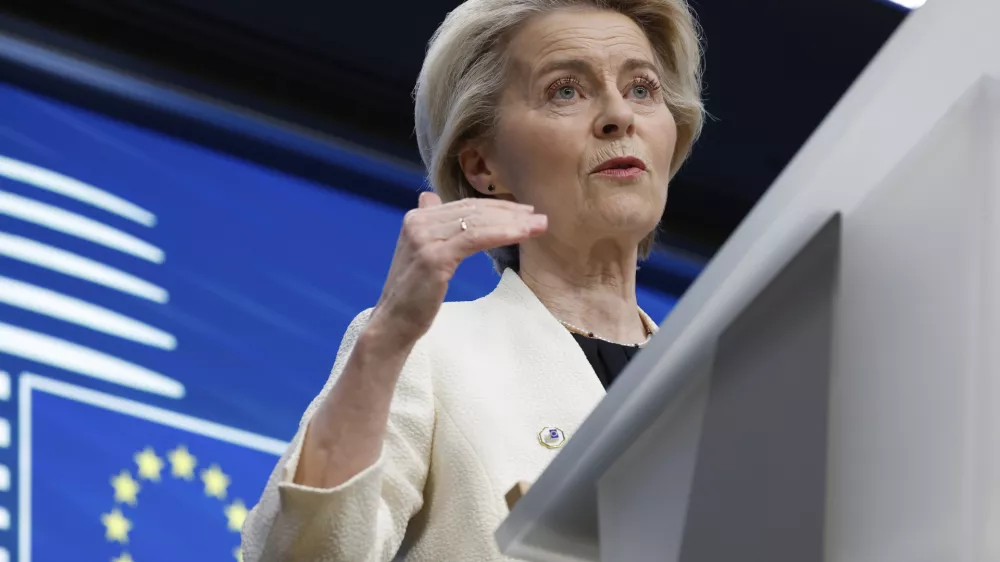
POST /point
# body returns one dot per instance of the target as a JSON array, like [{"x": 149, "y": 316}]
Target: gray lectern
[{"x": 829, "y": 388}]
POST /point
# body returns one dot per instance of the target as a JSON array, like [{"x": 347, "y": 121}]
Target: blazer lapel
[
  {"x": 559, "y": 388},
  {"x": 566, "y": 362},
  {"x": 516, "y": 298}
]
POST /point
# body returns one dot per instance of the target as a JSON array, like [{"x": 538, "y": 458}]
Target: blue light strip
[{"x": 679, "y": 266}]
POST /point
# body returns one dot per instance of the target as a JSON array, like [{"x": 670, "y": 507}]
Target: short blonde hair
[{"x": 464, "y": 73}]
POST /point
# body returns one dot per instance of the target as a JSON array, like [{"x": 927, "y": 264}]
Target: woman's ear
[{"x": 478, "y": 172}]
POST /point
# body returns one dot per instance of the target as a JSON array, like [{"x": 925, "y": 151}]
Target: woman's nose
[{"x": 616, "y": 119}]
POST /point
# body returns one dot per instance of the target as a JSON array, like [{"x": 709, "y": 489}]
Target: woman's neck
[{"x": 594, "y": 291}]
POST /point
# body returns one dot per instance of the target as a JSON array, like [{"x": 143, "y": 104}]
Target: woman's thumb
[{"x": 428, "y": 199}]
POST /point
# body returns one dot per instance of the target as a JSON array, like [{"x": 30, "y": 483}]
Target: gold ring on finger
[{"x": 462, "y": 224}]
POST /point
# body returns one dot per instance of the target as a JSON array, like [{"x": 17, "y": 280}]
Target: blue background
[
  {"x": 264, "y": 271},
  {"x": 78, "y": 448}
]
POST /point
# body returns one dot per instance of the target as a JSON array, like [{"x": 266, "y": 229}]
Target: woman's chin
[
  {"x": 631, "y": 208},
  {"x": 642, "y": 188},
  {"x": 626, "y": 223}
]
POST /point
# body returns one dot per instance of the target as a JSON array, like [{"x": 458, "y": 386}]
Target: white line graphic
[
  {"x": 24, "y": 470},
  {"x": 60, "y": 353},
  {"x": 70, "y": 309},
  {"x": 152, "y": 413},
  {"x": 29, "y": 382},
  {"x": 76, "y": 189},
  {"x": 75, "y": 265},
  {"x": 77, "y": 225}
]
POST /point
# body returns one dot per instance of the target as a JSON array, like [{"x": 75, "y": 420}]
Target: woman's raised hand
[{"x": 434, "y": 240}]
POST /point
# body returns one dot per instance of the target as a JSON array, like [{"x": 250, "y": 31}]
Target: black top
[{"x": 608, "y": 359}]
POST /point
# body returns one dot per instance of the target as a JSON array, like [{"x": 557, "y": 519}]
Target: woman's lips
[
  {"x": 629, "y": 172},
  {"x": 621, "y": 167}
]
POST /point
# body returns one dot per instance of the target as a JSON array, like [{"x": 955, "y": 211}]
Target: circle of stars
[{"x": 149, "y": 465}]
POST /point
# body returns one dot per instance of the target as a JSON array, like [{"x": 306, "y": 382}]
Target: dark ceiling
[{"x": 774, "y": 68}]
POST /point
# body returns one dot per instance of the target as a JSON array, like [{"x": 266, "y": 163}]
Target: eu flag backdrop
[
  {"x": 157, "y": 297},
  {"x": 121, "y": 480}
]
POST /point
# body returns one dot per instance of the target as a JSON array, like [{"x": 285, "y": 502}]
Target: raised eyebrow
[
  {"x": 631, "y": 65},
  {"x": 583, "y": 67},
  {"x": 575, "y": 65}
]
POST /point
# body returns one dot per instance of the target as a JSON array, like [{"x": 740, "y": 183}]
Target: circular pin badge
[{"x": 551, "y": 437}]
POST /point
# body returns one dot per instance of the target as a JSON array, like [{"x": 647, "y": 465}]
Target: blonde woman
[{"x": 550, "y": 130}]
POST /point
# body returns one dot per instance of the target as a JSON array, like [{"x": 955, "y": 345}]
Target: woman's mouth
[{"x": 621, "y": 167}]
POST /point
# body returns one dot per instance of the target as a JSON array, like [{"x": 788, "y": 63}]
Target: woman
[{"x": 550, "y": 128}]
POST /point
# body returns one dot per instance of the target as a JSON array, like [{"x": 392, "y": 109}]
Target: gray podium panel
[
  {"x": 737, "y": 471},
  {"x": 914, "y": 430},
  {"x": 643, "y": 496},
  {"x": 760, "y": 480}
]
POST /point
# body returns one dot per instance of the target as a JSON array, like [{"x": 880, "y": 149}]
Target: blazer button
[{"x": 551, "y": 437}]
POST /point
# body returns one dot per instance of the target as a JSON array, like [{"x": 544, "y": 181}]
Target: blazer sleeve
[{"x": 365, "y": 518}]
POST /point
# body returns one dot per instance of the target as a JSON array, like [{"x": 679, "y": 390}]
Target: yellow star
[
  {"x": 236, "y": 513},
  {"x": 215, "y": 481},
  {"x": 182, "y": 463},
  {"x": 126, "y": 489},
  {"x": 116, "y": 526},
  {"x": 149, "y": 464},
  {"x": 125, "y": 557},
  {"x": 238, "y": 554}
]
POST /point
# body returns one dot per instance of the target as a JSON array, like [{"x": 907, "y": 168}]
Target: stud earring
[{"x": 491, "y": 188}]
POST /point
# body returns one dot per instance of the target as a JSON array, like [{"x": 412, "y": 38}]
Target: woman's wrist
[
  {"x": 384, "y": 340},
  {"x": 385, "y": 334}
]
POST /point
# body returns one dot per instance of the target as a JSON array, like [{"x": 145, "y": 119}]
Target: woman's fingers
[
  {"x": 445, "y": 226},
  {"x": 470, "y": 207},
  {"x": 511, "y": 229},
  {"x": 428, "y": 199},
  {"x": 461, "y": 228},
  {"x": 441, "y": 222}
]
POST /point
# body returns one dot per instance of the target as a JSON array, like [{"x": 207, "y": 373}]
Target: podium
[{"x": 829, "y": 388}]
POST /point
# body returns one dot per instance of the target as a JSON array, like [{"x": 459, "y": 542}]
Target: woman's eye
[
  {"x": 640, "y": 92},
  {"x": 566, "y": 93}
]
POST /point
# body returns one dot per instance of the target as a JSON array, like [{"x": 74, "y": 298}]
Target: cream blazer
[{"x": 466, "y": 424}]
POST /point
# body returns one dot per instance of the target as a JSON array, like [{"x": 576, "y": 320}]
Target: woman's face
[{"x": 584, "y": 133}]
